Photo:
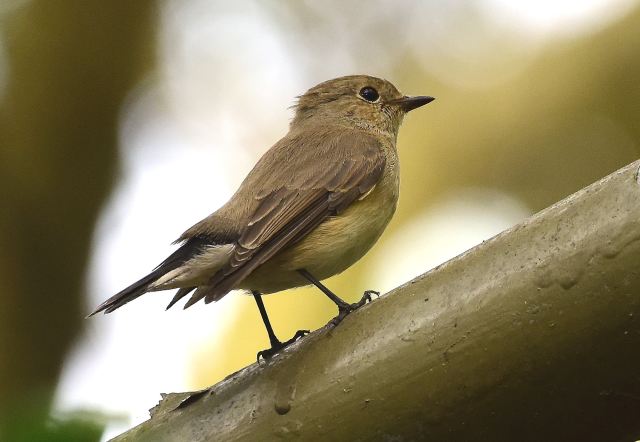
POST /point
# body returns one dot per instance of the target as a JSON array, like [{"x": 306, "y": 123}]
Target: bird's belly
[{"x": 329, "y": 249}]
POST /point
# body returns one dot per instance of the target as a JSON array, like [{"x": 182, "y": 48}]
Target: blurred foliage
[
  {"x": 80, "y": 427},
  {"x": 71, "y": 63}
]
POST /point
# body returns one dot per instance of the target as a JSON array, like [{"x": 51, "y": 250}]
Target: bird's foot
[
  {"x": 276, "y": 346},
  {"x": 345, "y": 309}
]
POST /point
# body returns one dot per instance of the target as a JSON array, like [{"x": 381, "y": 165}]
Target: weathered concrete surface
[{"x": 532, "y": 335}]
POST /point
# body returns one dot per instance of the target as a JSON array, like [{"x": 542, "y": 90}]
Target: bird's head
[{"x": 361, "y": 101}]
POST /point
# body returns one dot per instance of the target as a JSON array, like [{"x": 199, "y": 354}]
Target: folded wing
[{"x": 328, "y": 172}]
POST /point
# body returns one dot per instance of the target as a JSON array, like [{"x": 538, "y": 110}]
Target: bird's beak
[{"x": 410, "y": 103}]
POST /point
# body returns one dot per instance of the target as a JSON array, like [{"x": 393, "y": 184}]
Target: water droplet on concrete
[{"x": 282, "y": 409}]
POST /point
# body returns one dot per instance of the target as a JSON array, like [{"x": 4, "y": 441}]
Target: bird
[{"x": 311, "y": 207}]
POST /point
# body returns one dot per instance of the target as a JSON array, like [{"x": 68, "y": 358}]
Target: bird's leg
[
  {"x": 344, "y": 308},
  {"x": 276, "y": 345}
]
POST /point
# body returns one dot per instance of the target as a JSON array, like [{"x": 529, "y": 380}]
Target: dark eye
[{"x": 369, "y": 94}]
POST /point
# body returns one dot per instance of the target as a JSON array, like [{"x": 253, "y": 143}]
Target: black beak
[{"x": 410, "y": 103}]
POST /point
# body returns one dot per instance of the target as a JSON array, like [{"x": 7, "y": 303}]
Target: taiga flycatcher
[{"x": 312, "y": 206}]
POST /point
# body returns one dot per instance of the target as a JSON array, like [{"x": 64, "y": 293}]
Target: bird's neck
[{"x": 390, "y": 134}]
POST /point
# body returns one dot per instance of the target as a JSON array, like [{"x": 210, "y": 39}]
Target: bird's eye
[{"x": 369, "y": 94}]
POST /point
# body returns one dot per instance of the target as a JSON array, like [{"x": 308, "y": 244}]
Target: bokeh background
[{"x": 122, "y": 123}]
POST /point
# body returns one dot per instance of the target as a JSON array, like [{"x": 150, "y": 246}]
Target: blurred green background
[{"x": 122, "y": 123}]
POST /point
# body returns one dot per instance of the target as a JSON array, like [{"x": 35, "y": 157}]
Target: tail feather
[
  {"x": 132, "y": 292},
  {"x": 179, "y": 295},
  {"x": 197, "y": 296},
  {"x": 188, "y": 250}
]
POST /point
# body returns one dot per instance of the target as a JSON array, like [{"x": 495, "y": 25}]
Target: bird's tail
[
  {"x": 135, "y": 290},
  {"x": 188, "y": 250}
]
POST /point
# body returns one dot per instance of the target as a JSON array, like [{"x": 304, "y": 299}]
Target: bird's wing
[{"x": 328, "y": 172}]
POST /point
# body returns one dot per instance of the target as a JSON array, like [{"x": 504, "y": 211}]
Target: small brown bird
[{"x": 313, "y": 205}]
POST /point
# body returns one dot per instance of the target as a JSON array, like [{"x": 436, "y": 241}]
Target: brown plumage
[
  {"x": 297, "y": 198},
  {"x": 317, "y": 200}
]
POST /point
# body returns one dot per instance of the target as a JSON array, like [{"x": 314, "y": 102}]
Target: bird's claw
[
  {"x": 344, "y": 310},
  {"x": 276, "y": 347},
  {"x": 369, "y": 293}
]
